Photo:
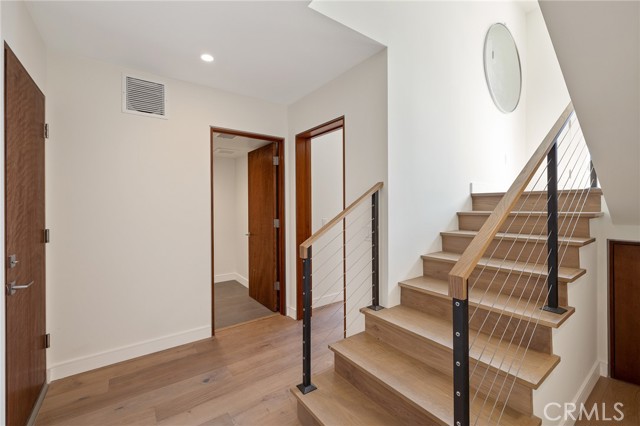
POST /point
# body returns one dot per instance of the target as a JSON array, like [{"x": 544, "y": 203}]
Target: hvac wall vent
[
  {"x": 226, "y": 136},
  {"x": 224, "y": 151},
  {"x": 144, "y": 97}
]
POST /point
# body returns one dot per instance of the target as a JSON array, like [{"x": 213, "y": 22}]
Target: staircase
[{"x": 400, "y": 369}]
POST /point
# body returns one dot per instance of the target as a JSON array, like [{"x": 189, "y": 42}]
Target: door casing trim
[{"x": 303, "y": 193}]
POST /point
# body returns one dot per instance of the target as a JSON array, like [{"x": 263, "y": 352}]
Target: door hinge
[
  {"x": 276, "y": 161},
  {"x": 276, "y": 223},
  {"x": 46, "y": 131},
  {"x": 47, "y": 341},
  {"x": 276, "y": 286},
  {"x": 47, "y": 236}
]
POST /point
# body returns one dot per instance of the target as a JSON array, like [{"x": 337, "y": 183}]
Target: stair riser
[
  {"x": 520, "y": 251},
  {"x": 515, "y": 284},
  {"x": 405, "y": 410},
  {"x": 305, "y": 418},
  {"x": 566, "y": 202},
  {"x": 440, "y": 358},
  {"x": 508, "y": 328},
  {"x": 521, "y": 224}
]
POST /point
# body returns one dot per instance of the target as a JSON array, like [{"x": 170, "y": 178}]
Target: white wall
[
  {"x": 22, "y": 36},
  {"x": 598, "y": 47},
  {"x": 242, "y": 220},
  {"x": 224, "y": 213},
  {"x": 128, "y": 204},
  {"x": 231, "y": 215},
  {"x": 326, "y": 178},
  {"x": 547, "y": 94},
  {"x": 444, "y": 130},
  {"x": 20, "y": 33},
  {"x": 326, "y": 202},
  {"x": 360, "y": 95}
]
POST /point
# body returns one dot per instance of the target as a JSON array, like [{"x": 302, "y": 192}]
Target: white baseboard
[
  {"x": 291, "y": 312},
  {"x": 233, "y": 276},
  {"x": 101, "y": 359},
  {"x": 585, "y": 389},
  {"x": 321, "y": 301},
  {"x": 604, "y": 369},
  {"x": 326, "y": 299},
  {"x": 242, "y": 280}
]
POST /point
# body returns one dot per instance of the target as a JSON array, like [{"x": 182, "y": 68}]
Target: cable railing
[
  {"x": 340, "y": 273},
  {"x": 515, "y": 263}
]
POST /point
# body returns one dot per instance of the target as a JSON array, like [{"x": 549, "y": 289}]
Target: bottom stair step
[
  {"x": 423, "y": 390},
  {"x": 337, "y": 402}
]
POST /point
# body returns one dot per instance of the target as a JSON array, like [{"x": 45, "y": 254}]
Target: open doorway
[
  {"x": 320, "y": 196},
  {"x": 247, "y": 222}
]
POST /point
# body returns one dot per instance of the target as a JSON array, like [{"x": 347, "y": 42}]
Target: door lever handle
[{"x": 12, "y": 288}]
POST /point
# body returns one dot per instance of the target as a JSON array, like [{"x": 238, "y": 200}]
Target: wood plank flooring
[
  {"x": 609, "y": 392},
  {"x": 241, "y": 377},
  {"x": 234, "y": 306}
]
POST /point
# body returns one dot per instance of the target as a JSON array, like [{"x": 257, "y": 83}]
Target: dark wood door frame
[
  {"x": 612, "y": 325},
  {"x": 303, "y": 191},
  {"x": 281, "y": 215}
]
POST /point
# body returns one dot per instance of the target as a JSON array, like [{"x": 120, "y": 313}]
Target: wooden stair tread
[
  {"x": 589, "y": 215},
  {"x": 491, "y": 301},
  {"x": 596, "y": 191},
  {"x": 506, "y": 357},
  {"x": 564, "y": 274},
  {"x": 571, "y": 241},
  {"x": 338, "y": 402},
  {"x": 417, "y": 383}
]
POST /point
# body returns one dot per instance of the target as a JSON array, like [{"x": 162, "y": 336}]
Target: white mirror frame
[{"x": 504, "y": 105}]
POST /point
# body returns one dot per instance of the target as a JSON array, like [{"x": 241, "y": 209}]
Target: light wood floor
[
  {"x": 234, "y": 306},
  {"x": 241, "y": 377},
  {"x": 609, "y": 392}
]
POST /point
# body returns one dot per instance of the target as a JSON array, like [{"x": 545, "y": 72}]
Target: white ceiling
[
  {"x": 276, "y": 51},
  {"x": 237, "y": 147}
]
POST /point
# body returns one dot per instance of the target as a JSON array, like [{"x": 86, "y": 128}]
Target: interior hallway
[
  {"x": 241, "y": 377},
  {"x": 234, "y": 306}
]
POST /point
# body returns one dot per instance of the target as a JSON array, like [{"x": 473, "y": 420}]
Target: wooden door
[
  {"x": 24, "y": 227},
  {"x": 624, "y": 287},
  {"x": 263, "y": 242}
]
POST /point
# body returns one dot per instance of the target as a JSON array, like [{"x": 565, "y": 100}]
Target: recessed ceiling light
[{"x": 206, "y": 57}]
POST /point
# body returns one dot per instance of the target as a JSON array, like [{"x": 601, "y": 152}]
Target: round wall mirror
[{"x": 502, "y": 68}]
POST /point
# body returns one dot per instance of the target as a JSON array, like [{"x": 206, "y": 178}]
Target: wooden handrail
[
  {"x": 461, "y": 271},
  {"x": 304, "y": 247}
]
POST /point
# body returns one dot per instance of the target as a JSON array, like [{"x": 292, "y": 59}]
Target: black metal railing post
[
  {"x": 306, "y": 386},
  {"x": 461, "y": 362},
  {"x": 552, "y": 231},
  {"x": 375, "y": 252}
]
